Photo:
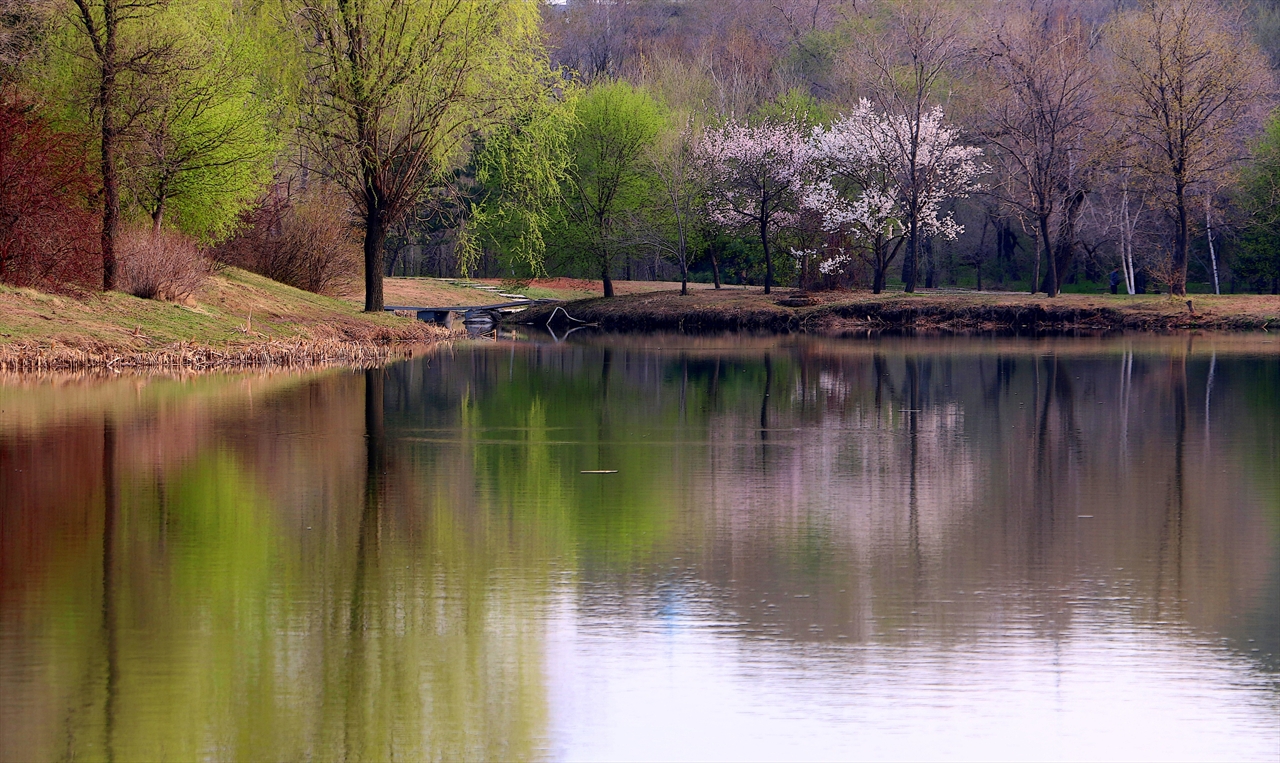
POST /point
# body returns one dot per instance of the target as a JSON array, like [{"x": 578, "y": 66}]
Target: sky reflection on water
[{"x": 812, "y": 549}]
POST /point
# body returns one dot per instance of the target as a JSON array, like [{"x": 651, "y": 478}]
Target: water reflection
[{"x": 810, "y": 549}]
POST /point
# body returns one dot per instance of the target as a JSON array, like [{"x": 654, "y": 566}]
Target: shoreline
[
  {"x": 40, "y": 357},
  {"x": 239, "y": 321},
  {"x": 842, "y": 313}
]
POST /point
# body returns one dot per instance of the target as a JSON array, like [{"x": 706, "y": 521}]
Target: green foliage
[
  {"x": 1258, "y": 260},
  {"x": 816, "y": 54},
  {"x": 205, "y": 150},
  {"x": 520, "y": 168},
  {"x": 609, "y": 180},
  {"x": 798, "y": 106}
]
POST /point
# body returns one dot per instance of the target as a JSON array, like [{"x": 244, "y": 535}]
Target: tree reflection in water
[{"x": 378, "y": 564}]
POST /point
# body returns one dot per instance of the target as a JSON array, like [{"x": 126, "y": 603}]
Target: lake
[{"x": 801, "y": 548}]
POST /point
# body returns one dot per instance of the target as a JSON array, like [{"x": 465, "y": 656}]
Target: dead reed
[{"x": 37, "y": 357}]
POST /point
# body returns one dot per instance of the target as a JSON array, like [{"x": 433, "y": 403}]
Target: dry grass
[
  {"x": 442, "y": 292},
  {"x": 238, "y": 319}
]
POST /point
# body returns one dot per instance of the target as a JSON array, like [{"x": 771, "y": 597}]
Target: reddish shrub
[
  {"x": 160, "y": 265},
  {"x": 302, "y": 239},
  {"x": 48, "y": 238}
]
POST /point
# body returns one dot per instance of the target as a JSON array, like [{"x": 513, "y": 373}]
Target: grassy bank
[
  {"x": 239, "y": 319},
  {"x": 945, "y": 312}
]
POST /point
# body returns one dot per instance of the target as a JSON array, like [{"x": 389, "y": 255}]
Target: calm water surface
[{"x": 811, "y": 549}]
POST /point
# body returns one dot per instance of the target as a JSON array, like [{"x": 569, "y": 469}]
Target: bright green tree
[
  {"x": 610, "y": 180},
  {"x": 520, "y": 169},
  {"x": 203, "y": 151}
]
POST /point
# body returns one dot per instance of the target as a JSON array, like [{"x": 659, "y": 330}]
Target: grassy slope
[
  {"x": 219, "y": 318},
  {"x": 839, "y": 311}
]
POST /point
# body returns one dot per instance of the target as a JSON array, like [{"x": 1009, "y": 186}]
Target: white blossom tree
[
  {"x": 754, "y": 175},
  {"x": 884, "y": 179}
]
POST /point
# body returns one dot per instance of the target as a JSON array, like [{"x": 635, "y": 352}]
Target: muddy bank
[{"x": 953, "y": 313}]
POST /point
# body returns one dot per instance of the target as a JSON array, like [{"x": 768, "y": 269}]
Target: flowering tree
[
  {"x": 754, "y": 174},
  {"x": 885, "y": 179}
]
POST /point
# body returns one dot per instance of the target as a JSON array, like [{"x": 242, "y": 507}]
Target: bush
[
  {"x": 302, "y": 239},
  {"x": 48, "y": 238},
  {"x": 160, "y": 265}
]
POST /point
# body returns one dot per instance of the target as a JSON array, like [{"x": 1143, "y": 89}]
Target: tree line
[{"x": 818, "y": 143}]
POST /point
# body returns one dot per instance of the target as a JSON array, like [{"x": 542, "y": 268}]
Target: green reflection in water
[{"x": 366, "y": 565}]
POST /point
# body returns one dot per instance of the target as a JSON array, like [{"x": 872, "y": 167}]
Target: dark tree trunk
[
  {"x": 1050, "y": 285},
  {"x": 911, "y": 265},
  {"x": 768, "y": 260},
  {"x": 605, "y": 279},
  {"x": 375, "y": 236},
  {"x": 930, "y": 272},
  {"x": 715, "y": 268},
  {"x": 110, "y": 179},
  {"x": 1179, "y": 276}
]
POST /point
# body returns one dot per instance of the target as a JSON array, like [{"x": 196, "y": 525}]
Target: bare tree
[
  {"x": 23, "y": 25},
  {"x": 1041, "y": 117},
  {"x": 675, "y": 169},
  {"x": 397, "y": 88},
  {"x": 1188, "y": 82}
]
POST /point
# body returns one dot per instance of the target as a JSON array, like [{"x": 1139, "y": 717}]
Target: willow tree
[
  {"x": 396, "y": 90},
  {"x": 201, "y": 151}
]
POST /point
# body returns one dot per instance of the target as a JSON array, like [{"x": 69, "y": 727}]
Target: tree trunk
[
  {"x": 1213, "y": 256},
  {"x": 1035, "y": 272},
  {"x": 1050, "y": 284},
  {"x": 715, "y": 268},
  {"x": 877, "y": 280},
  {"x": 604, "y": 277},
  {"x": 768, "y": 261},
  {"x": 157, "y": 219},
  {"x": 1178, "y": 277},
  {"x": 375, "y": 235},
  {"x": 913, "y": 258},
  {"x": 110, "y": 179},
  {"x": 684, "y": 275}
]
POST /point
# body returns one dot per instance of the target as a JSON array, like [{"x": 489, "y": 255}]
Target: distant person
[
  {"x": 1140, "y": 282},
  {"x": 1115, "y": 281}
]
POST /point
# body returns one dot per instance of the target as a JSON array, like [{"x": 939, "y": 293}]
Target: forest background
[{"x": 1069, "y": 145}]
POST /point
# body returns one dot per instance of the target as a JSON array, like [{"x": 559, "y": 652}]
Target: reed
[{"x": 42, "y": 357}]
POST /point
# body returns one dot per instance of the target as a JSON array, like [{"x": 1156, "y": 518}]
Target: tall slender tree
[{"x": 122, "y": 47}]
